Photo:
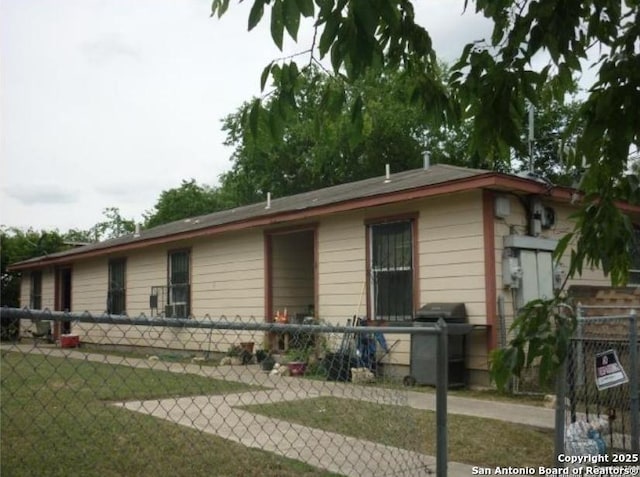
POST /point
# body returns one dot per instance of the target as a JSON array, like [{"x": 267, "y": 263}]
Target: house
[{"x": 380, "y": 248}]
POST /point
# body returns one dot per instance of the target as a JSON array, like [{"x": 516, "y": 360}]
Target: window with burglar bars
[
  {"x": 116, "y": 296},
  {"x": 178, "y": 285},
  {"x": 391, "y": 270},
  {"x": 35, "y": 296}
]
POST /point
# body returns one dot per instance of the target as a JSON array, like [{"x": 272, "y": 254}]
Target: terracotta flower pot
[{"x": 297, "y": 368}]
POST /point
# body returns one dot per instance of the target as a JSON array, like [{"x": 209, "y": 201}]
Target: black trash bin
[{"x": 424, "y": 348}]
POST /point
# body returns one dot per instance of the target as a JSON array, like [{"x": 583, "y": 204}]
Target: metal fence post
[
  {"x": 442, "y": 383},
  {"x": 560, "y": 411},
  {"x": 633, "y": 381}
]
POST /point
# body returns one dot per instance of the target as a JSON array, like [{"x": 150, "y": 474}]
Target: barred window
[
  {"x": 391, "y": 270},
  {"x": 178, "y": 302},
  {"x": 116, "y": 296}
]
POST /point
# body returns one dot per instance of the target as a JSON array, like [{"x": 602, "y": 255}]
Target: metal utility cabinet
[{"x": 423, "y": 360}]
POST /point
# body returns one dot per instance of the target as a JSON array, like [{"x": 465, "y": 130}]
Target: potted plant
[
  {"x": 233, "y": 355},
  {"x": 297, "y": 359}
]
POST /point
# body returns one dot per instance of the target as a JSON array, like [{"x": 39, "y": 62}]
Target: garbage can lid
[{"x": 450, "y": 312}]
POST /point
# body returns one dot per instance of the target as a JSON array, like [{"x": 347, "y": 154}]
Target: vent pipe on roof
[
  {"x": 387, "y": 173},
  {"x": 268, "y": 201},
  {"x": 426, "y": 160},
  {"x": 137, "y": 231}
]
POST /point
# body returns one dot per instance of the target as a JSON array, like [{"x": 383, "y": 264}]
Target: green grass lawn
[
  {"x": 57, "y": 420},
  {"x": 472, "y": 440}
]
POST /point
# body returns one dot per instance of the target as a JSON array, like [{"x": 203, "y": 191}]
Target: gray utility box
[{"x": 424, "y": 348}]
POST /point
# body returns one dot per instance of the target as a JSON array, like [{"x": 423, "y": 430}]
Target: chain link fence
[
  {"x": 599, "y": 388},
  {"x": 152, "y": 396}
]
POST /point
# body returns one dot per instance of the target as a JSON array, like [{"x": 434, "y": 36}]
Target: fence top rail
[
  {"x": 609, "y": 307},
  {"x": 222, "y": 323},
  {"x": 582, "y": 319}
]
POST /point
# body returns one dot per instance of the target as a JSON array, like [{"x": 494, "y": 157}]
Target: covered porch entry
[{"x": 291, "y": 278}]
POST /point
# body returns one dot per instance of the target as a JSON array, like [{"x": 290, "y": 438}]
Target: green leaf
[
  {"x": 276, "y": 126},
  {"x": 356, "y": 121},
  {"x": 219, "y": 6},
  {"x": 306, "y": 7},
  {"x": 365, "y": 17},
  {"x": 254, "y": 117},
  {"x": 291, "y": 18},
  {"x": 336, "y": 56},
  {"x": 265, "y": 75},
  {"x": 256, "y": 13},
  {"x": 562, "y": 246},
  {"x": 277, "y": 23},
  {"x": 329, "y": 33}
]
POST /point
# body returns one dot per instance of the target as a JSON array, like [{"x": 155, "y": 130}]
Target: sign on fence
[{"x": 609, "y": 371}]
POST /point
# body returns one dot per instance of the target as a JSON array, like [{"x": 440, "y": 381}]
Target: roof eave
[{"x": 490, "y": 180}]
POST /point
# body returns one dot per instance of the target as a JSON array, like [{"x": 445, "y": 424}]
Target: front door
[{"x": 62, "y": 299}]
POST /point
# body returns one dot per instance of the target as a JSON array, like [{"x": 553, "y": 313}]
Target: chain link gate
[
  {"x": 154, "y": 396},
  {"x": 597, "y": 391}
]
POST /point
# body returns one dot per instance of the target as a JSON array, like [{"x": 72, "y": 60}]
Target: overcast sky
[{"x": 106, "y": 103}]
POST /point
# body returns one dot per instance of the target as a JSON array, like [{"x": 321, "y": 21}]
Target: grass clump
[
  {"x": 471, "y": 440},
  {"x": 57, "y": 419}
]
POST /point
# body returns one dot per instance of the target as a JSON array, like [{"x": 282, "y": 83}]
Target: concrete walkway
[{"x": 221, "y": 415}]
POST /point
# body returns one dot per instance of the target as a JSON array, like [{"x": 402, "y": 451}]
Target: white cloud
[
  {"x": 37, "y": 195},
  {"x": 111, "y": 102},
  {"x": 109, "y": 47}
]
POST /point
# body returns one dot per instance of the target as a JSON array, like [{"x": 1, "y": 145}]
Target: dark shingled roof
[{"x": 377, "y": 186}]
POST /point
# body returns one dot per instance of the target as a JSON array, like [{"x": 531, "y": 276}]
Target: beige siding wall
[
  {"x": 515, "y": 223},
  {"x": 228, "y": 276},
  {"x": 89, "y": 286},
  {"x": 25, "y": 289},
  {"x": 451, "y": 262},
  {"x": 590, "y": 276},
  {"x": 228, "y": 271},
  {"x": 452, "y": 253},
  {"x": 145, "y": 269},
  {"x": 292, "y": 274},
  {"x": 341, "y": 267}
]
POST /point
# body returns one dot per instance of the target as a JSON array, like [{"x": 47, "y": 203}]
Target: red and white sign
[{"x": 609, "y": 371}]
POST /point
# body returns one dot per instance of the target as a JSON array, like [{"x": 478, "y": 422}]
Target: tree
[
  {"x": 188, "y": 200},
  {"x": 17, "y": 245},
  {"x": 315, "y": 149},
  {"x": 490, "y": 86},
  {"x": 319, "y": 150},
  {"x": 113, "y": 226}
]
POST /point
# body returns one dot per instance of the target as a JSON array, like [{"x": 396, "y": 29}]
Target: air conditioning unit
[{"x": 175, "y": 310}]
